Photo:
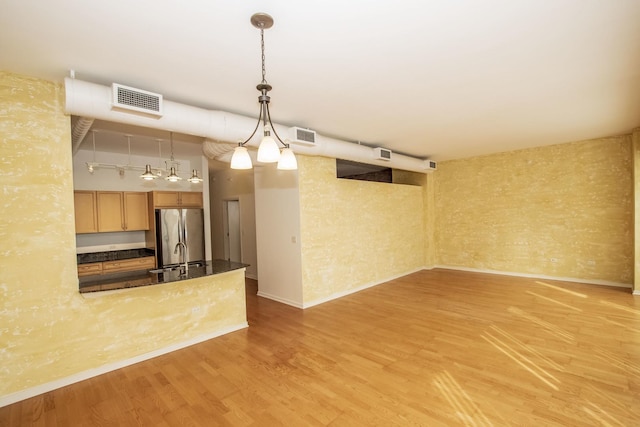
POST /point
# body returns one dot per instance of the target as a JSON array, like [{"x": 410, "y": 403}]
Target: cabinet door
[
  {"x": 191, "y": 199},
  {"x": 110, "y": 211},
  {"x": 165, "y": 199},
  {"x": 85, "y": 209},
  {"x": 136, "y": 216},
  {"x": 89, "y": 269},
  {"x": 145, "y": 263}
]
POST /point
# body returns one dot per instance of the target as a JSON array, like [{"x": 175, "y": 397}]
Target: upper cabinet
[
  {"x": 86, "y": 211},
  {"x": 107, "y": 211},
  {"x": 176, "y": 199},
  {"x": 104, "y": 211},
  {"x": 110, "y": 211},
  {"x": 136, "y": 211},
  {"x": 122, "y": 211}
]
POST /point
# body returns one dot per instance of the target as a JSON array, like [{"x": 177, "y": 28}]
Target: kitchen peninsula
[
  {"x": 165, "y": 218},
  {"x": 136, "y": 278}
]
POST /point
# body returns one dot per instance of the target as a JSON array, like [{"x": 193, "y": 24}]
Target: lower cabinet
[
  {"x": 89, "y": 269},
  {"x": 106, "y": 267},
  {"x": 128, "y": 265}
]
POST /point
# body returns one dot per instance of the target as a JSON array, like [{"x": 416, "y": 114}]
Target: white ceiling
[{"x": 438, "y": 79}]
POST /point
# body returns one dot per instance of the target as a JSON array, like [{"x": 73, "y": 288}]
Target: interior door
[{"x": 233, "y": 246}]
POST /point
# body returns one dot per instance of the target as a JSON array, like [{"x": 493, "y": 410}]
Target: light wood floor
[{"x": 434, "y": 348}]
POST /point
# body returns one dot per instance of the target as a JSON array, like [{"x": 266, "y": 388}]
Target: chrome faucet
[{"x": 184, "y": 255}]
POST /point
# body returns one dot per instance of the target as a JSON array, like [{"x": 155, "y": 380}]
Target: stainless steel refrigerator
[{"x": 176, "y": 226}]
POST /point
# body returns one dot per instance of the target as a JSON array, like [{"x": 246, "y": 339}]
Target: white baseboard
[
  {"x": 538, "y": 276},
  {"x": 279, "y": 299},
  {"x": 636, "y": 292},
  {"x": 81, "y": 376},
  {"x": 358, "y": 289}
]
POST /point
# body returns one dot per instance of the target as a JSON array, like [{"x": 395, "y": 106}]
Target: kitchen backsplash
[{"x": 99, "y": 242}]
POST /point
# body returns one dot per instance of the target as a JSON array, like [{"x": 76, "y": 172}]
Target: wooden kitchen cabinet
[
  {"x": 122, "y": 211},
  {"x": 190, "y": 199},
  {"x": 136, "y": 211},
  {"x": 86, "y": 212},
  {"x": 105, "y": 267},
  {"x": 89, "y": 269},
  {"x": 176, "y": 199},
  {"x": 110, "y": 211},
  {"x": 144, "y": 263}
]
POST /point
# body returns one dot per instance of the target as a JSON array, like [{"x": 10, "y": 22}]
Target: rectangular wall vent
[
  {"x": 382, "y": 153},
  {"x": 431, "y": 165},
  {"x": 142, "y": 101},
  {"x": 302, "y": 136}
]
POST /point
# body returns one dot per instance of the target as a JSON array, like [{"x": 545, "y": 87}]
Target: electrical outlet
[
  {"x": 591, "y": 262},
  {"x": 195, "y": 310},
  {"x": 553, "y": 259}
]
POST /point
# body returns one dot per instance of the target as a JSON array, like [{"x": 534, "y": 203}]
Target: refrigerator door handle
[{"x": 183, "y": 237}]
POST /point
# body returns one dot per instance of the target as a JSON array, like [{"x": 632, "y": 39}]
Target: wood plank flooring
[{"x": 435, "y": 348}]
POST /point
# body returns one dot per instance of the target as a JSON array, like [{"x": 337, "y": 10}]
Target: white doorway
[{"x": 232, "y": 231}]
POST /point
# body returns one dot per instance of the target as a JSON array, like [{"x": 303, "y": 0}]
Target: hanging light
[
  {"x": 269, "y": 150},
  {"x": 172, "y": 177},
  {"x": 241, "y": 158},
  {"x": 90, "y": 166},
  {"x": 195, "y": 179},
  {"x": 148, "y": 175},
  {"x": 159, "y": 170},
  {"x": 287, "y": 160}
]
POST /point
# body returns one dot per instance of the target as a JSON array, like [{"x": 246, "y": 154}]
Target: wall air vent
[
  {"x": 141, "y": 101},
  {"x": 431, "y": 165},
  {"x": 302, "y": 136},
  {"x": 380, "y": 153}
]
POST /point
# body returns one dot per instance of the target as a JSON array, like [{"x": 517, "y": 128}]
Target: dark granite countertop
[
  {"x": 132, "y": 279},
  {"x": 114, "y": 255}
]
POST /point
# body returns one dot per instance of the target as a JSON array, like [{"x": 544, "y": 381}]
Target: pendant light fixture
[
  {"x": 172, "y": 177},
  {"x": 195, "y": 179},
  {"x": 269, "y": 150},
  {"x": 148, "y": 175}
]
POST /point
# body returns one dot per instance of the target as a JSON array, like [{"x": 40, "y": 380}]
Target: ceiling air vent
[
  {"x": 380, "y": 153},
  {"x": 302, "y": 136},
  {"x": 141, "y": 101}
]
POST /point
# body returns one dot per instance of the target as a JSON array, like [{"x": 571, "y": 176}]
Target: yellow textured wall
[
  {"x": 636, "y": 191},
  {"x": 355, "y": 233},
  {"x": 48, "y": 331},
  {"x": 426, "y": 181},
  {"x": 429, "y": 195},
  {"x": 564, "y": 210}
]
